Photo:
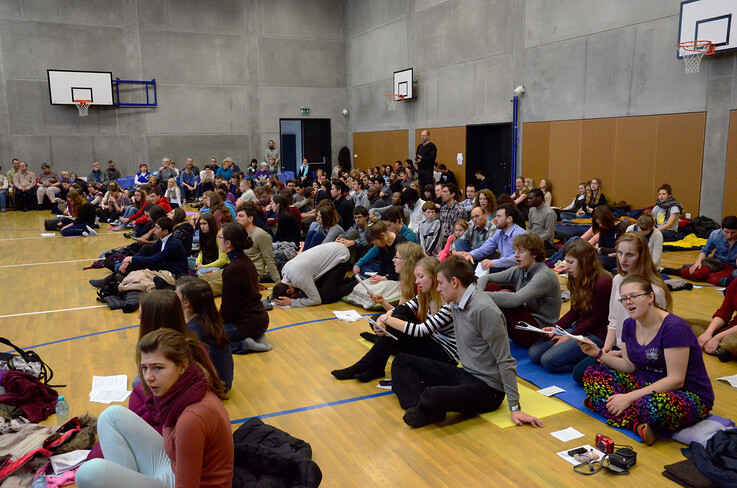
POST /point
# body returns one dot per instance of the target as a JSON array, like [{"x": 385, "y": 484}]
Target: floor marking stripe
[
  {"x": 51, "y": 311},
  {"x": 50, "y": 262},
  {"x": 314, "y": 407}
]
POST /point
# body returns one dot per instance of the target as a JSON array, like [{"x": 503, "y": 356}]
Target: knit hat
[{"x": 142, "y": 165}]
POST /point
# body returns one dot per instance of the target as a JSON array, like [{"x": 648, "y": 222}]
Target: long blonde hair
[
  {"x": 644, "y": 266},
  {"x": 411, "y": 253},
  {"x": 425, "y": 300}
]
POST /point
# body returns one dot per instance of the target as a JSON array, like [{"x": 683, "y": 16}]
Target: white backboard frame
[
  {"x": 67, "y": 85},
  {"x": 708, "y": 20},
  {"x": 402, "y": 83}
]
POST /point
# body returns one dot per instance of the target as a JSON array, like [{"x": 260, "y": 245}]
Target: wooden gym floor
[{"x": 355, "y": 429}]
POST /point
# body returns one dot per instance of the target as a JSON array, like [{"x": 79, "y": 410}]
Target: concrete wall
[
  {"x": 226, "y": 70},
  {"x": 577, "y": 60}
]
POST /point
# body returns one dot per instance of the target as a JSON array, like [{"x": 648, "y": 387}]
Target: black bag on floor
[
  {"x": 26, "y": 361},
  {"x": 50, "y": 225}
]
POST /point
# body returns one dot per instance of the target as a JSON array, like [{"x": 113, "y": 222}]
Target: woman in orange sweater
[{"x": 196, "y": 449}]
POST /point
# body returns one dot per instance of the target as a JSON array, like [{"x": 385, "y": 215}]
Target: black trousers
[
  {"x": 425, "y": 177},
  {"x": 24, "y": 199},
  {"x": 436, "y": 387},
  {"x": 333, "y": 286}
]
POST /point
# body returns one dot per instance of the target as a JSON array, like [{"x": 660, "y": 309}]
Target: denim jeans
[
  {"x": 561, "y": 358},
  {"x": 134, "y": 454}
]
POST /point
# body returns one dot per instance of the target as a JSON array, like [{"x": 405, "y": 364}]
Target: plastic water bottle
[{"x": 62, "y": 411}]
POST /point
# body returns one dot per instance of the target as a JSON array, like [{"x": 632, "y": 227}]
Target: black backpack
[{"x": 26, "y": 361}]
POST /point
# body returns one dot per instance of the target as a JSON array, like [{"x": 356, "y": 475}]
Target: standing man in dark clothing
[
  {"x": 339, "y": 191},
  {"x": 425, "y": 157}
]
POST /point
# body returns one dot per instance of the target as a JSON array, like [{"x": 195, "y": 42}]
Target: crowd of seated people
[{"x": 466, "y": 271}]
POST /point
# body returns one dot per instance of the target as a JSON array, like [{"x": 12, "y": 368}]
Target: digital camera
[{"x": 604, "y": 444}]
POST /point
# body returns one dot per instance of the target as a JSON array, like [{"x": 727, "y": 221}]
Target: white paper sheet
[
  {"x": 551, "y": 390},
  {"x": 347, "y": 315},
  {"x": 566, "y": 435},
  {"x": 479, "y": 272},
  {"x": 109, "y": 389},
  {"x": 732, "y": 380}
]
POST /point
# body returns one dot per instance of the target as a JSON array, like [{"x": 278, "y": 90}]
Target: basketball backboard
[
  {"x": 66, "y": 86},
  {"x": 708, "y": 20},
  {"x": 403, "y": 83}
]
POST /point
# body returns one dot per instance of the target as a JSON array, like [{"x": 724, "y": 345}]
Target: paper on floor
[
  {"x": 551, "y": 390},
  {"x": 347, "y": 315},
  {"x": 566, "y": 435},
  {"x": 109, "y": 389}
]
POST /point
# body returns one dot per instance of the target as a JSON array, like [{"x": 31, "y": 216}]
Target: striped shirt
[{"x": 439, "y": 326}]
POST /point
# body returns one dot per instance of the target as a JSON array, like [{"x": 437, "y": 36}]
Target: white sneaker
[
  {"x": 91, "y": 231},
  {"x": 85, "y": 234}
]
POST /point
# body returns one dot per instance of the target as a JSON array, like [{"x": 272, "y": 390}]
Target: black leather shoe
[{"x": 724, "y": 355}]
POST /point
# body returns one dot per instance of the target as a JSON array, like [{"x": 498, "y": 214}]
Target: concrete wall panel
[
  {"x": 33, "y": 149},
  {"x": 549, "y": 21},
  {"x": 554, "y": 89},
  {"x": 201, "y": 148},
  {"x": 286, "y": 102},
  {"x": 89, "y": 12},
  {"x": 366, "y": 15},
  {"x": 609, "y": 67},
  {"x": 30, "y": 48},
  {"x": 391, "y": 42},
  {"x": 421, "y": 5},
  {"x": 213, "y": 16},
  {"x": 193, "y": 109},
  {"x": 192, "y": 58},
  {"x": 317, "y": 19},
  {"x": 302, "y": 62}
]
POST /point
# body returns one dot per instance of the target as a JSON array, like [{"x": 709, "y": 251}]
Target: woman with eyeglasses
[
  {"x": 659, "y": 382},
  {"x": 633, "y": 258}
]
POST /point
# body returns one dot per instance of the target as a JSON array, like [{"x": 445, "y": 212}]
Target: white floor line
[
  {"x": 90, "y": 260},
  {"x": 50, "y": 311},
  {"x": 52, "y": 237}
]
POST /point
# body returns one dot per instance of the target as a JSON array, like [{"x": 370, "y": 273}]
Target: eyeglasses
[
  {"x": 220, "y": 237},
  {"x": 631, "y": 298}
]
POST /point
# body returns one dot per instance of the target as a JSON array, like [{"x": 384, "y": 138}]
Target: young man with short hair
[
  {"x": 541, "y": 219},
  {"x": 470, "y": 200},
  {"x": 502, "y": 240},
  {"x": 168, "y": 253},
  {"x": 450, "y": 211},
  {"x": 427, "y": 389},
  {"x": 262, "y": 251}
]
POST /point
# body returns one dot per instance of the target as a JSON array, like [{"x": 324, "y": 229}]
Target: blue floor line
[
  {"x": 314, "y": 407},
  {"x": 312, "y": 322}
]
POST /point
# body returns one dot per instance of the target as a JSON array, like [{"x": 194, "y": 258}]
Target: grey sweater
[
  {"x": 538, "y": 289},
  {"x": 483, "y": 343},
  {"x": 306, "y": 268}
]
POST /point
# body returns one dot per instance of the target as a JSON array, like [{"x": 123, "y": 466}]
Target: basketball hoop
[
  {"x": 391, "y": 101},
  {"x": 694, "y": 51},
  {"x": 82, "y": 106}
]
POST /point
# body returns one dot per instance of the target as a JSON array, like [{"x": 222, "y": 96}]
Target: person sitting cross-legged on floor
[
  {"x": 84, "y": 217},
  {"x": 660, "y": 382},
  {"x": 720, "y": 337},
  {"x": 168, "y": 253},
  {"x": 721, "y": 265},
  {"x": 245, "y": 317},
  {"x": 422, "y": 326},
  {"x": 427, "y": 389},
  {"x": 590, "y": 286},
  {"x": 536, "y": 298}
]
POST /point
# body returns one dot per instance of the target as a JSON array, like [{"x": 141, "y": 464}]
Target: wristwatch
[{"x": 515, "y": 408}]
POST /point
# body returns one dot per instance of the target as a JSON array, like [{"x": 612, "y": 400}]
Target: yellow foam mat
[{"x": 533, "y": 403}]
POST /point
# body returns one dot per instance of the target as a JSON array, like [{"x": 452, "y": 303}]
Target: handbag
[{"x": 26, "y": 361}]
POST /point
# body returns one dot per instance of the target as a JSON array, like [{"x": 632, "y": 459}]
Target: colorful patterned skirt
[{"x": 667, "y": 411}]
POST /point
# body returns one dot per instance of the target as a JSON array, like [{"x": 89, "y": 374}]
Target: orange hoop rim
[
  {"x": 82, "y": 102},
  {"x": 395, "y": 97},
  {"x": 706, "y": 47}
]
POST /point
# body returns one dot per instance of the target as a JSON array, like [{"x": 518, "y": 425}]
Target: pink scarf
[{"x": 190, "y": 388}]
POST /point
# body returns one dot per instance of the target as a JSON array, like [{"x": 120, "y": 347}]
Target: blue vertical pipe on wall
[{"x": 515, "y": 137}]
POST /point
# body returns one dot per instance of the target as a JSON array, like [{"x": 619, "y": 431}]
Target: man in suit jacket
[{"x": 168, "y": 254}]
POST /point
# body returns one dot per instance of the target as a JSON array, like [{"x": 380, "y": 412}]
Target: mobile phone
[{"x": 578, "y": 450}]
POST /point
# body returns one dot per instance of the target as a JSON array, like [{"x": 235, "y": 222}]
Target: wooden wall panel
[
  {"x": 634, "y": 161},
  {"x": 380, "y": 147},
  {"x": 565, "y": 161},
  {"x": 632, "y": 155},
  {"x": 598, "y": 149},
  {"x": 730, "y": 202},
  {"x": 536, "y": 151},
  {"x": 450, "y": 141},
  {"x": 679, "y": 156}
]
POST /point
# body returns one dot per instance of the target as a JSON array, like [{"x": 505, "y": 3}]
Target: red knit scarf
[{"x": 190, "y": 388}]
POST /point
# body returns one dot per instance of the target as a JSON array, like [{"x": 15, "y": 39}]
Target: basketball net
[
  {"x": 82, "y": 106},
  {"x": 392, "y": 100},
  {"x": 694, "y": 52}
]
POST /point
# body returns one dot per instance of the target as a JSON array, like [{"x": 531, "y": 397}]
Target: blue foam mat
[{"x": 573, "y": 395}]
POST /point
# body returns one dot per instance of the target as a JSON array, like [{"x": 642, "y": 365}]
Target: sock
[{"x": 252, "y": 345}]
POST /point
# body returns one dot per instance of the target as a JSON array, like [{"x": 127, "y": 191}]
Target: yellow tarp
[{"x": 533, "y": 403}]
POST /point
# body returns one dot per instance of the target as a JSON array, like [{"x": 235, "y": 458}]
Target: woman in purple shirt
[{"x": 660, "y": 381}]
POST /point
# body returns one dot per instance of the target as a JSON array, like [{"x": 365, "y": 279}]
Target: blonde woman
[{"x": 423, "y": 327}]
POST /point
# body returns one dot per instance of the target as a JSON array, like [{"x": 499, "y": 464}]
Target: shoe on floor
[
  {"x": 120, "y": 227},
  {"x": 724, "y": 355},
  {"x": 91, "y": 231},
  {"x": 130, "y": 234}
]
